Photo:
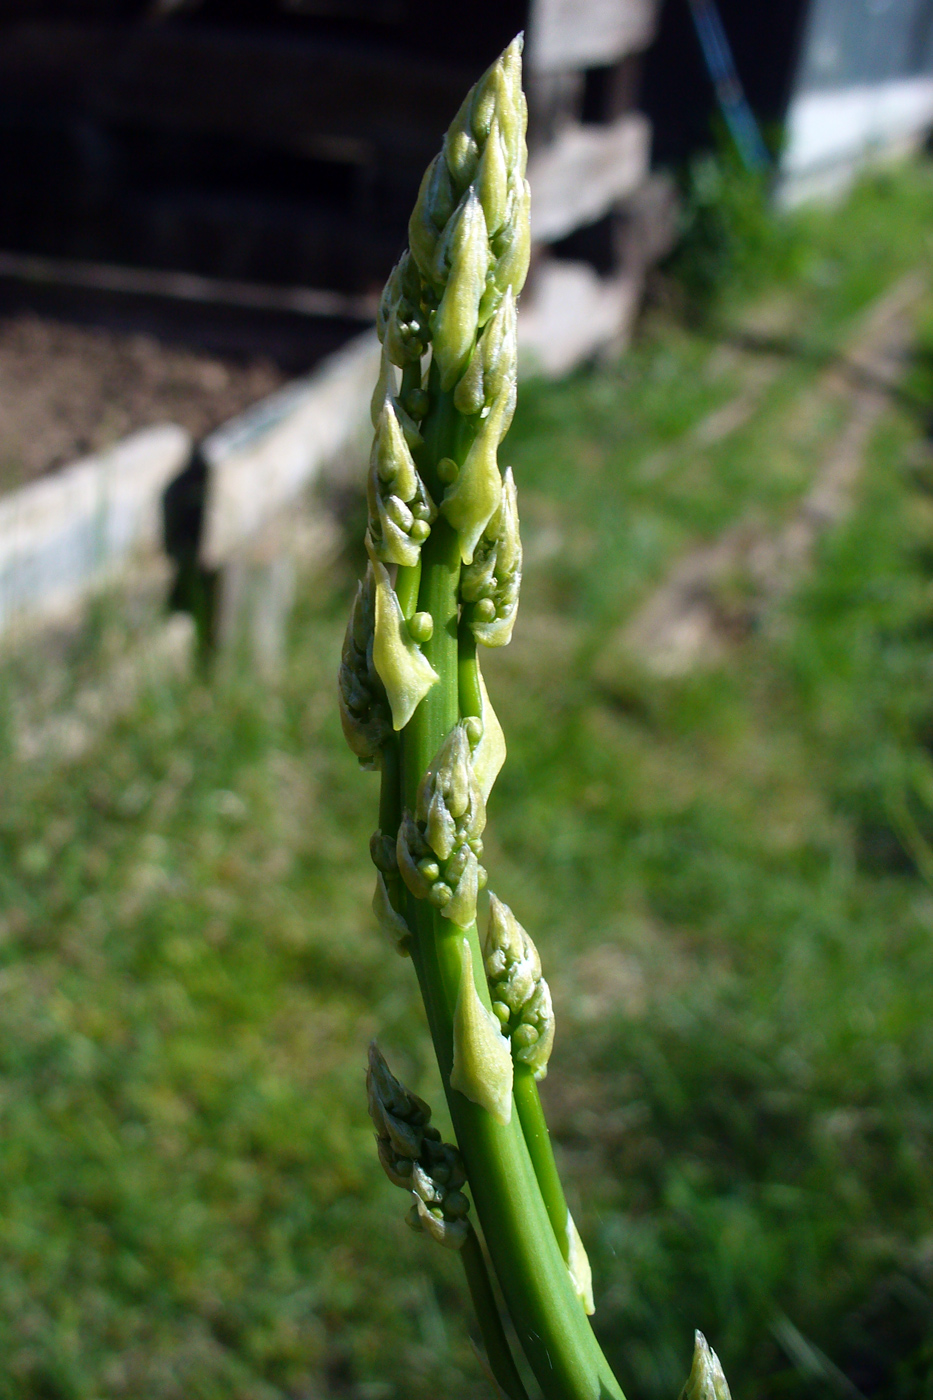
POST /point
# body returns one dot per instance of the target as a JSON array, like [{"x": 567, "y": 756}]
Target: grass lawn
[{"x": 727, "y": 873}]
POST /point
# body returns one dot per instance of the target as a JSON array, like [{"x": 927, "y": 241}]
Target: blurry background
[{"x": 717, "y": 815}]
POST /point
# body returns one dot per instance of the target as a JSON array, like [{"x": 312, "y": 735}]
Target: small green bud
[
  {"x": 462, "y": 908},
  {"x": 482, "y": 1066},
  {"x": 419, "y": 531},
  {"x": 485, "y": 611},
  {"x": 511, "y": 107},
  {"x": 706, "y": 1380},
  {"x": 433, "y": 208},
  {"x": 440, "y": 895},
  {"x": 511, "y": 250},
  {"x": 450, "y": 781},
  {"x": 447, "y": 470},
  {"x": 492, "y": 180},
  {"x": 421, "y": 627},
  {"x": 456, "y": 1205},
  {"x": 400, "y": 324},
  {"x": 417, "y": 401},
  {"x": 460, "y": 147},
  {"x": 466, "y": 249},
  {"x": 440, "y": 827},
  {"x": 405, "y": 673},
  {"x": 470, "y": 393},
  {"x": 494, "y": 363},
  {"x": 429, "y": 869},
  {"x": 450, "y": 1233},
  {"x": 473, "y": 728},
  {"x": 502, "y": 1011},
  {"x": 399, "y": 514}
]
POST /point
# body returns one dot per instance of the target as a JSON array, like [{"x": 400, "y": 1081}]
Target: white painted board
[
  {"x": 64, "y": 535},
  {"x": 259, "y": 463},
  {"x": 582, "y": 174},
  {"x": 587, "y": 33}
]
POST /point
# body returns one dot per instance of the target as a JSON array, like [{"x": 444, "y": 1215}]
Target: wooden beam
[
  {"x": 260, "y": 463},
  {"x": 584, "y": 173},
  {"x": 69, "y": 533},
  {"x": 587, "y": 33}
]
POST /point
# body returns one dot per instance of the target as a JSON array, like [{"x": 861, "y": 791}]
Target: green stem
[
  {"x": 471, "y": 699},
  {"x": 407, "y": 583},
  {"x": 538, "y": 1140},
  {"x": 498, "y": 1354},
  {"x": 550, "y": 1323}
]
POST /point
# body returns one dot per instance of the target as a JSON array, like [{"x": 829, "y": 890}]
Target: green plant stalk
[
  {"x": 538, "y": 1140},
  {"x": 498, "y": 1353},
  {"x": 444, "y": 573},
  {"x": 522, "y": 1243}
]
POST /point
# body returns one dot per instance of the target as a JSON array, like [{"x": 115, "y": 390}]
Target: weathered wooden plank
[
  {"x": 584, "y": 173},
  {"x": 587, "y": 33},
  {"x": 262, "y": 461},
  {"x": 65, "y": 535},
  {"x": 571, "y": 313}
]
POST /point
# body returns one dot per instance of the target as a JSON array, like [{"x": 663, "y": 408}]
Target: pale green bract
[
  {"x": 405, "y": 673},
  {"x": 482, "y": 1067}
]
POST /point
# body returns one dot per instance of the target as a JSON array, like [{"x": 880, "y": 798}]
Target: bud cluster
[
  {"x": 487, "y": 393},
  {"x": 401, "y": 324},
  {"x": 493, "y": 580},
  {"x": 414, "y": 1157},
  {"x": 521, "y": 997},
  {"x": 456, "y": 289},
  {"x": 400, "y": 509},
  {"x": 438, "y": 847},
  {"x": 469, "y": 230}
]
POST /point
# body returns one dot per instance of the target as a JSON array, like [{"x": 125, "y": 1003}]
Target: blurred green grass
[{"x": 727, "y": 875}]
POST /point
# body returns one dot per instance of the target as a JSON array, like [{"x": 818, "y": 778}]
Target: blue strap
[{"x": 738, "y": 116}]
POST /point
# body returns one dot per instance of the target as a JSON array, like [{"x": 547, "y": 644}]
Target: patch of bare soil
[{"x": 67, "y": 391}]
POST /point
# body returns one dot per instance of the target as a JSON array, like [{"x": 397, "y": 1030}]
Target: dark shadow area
[{"x": 194, "y": 588}]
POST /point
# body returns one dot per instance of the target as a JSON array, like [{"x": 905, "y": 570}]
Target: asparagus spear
[{"x": 443, "y": 577}]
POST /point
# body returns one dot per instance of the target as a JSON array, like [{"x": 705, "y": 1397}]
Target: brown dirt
[{"x": 67, "y": 391}]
